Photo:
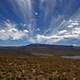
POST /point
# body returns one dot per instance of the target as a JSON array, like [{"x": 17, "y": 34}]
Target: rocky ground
[{"x": 39, "y": 68}]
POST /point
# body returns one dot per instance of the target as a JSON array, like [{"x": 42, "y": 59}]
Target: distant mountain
[{"x": 40, "y": 49}]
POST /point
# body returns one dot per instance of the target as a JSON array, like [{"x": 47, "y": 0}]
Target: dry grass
[{"x": 39, "y": 68}]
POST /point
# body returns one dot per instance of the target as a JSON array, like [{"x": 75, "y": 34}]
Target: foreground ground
[{"x": 39, "y": 68}]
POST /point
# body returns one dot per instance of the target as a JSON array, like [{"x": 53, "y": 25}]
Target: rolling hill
[{"x": 41, "y": 49}]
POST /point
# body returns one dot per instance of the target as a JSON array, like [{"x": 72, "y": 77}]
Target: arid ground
[{"x": 39, "y": 68}]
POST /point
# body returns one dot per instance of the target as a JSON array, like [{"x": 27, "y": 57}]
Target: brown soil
[{"x": 39, "y": 68}]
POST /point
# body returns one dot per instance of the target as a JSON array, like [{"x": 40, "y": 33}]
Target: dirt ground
[{"x": 39, "y": 68}]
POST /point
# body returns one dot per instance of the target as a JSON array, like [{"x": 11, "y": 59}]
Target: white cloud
[
  {"x": 74, "y": 32},
  {"x": 62, "y": 32},
  {"x": 3, "y": 35},
  {"x": 66, "y": 33},
  {"x": 73, "y": 24},
  {"x": 23, "y": 9},
  {"x": 47, "y": 39},
  {"x": 10, "y": 32},
  {"x": 26, "y": 31},
  {"x": 70, "y": 26},
  {"x": 2, "y": 31}
]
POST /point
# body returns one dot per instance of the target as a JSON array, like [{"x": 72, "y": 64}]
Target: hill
[{"x": 41, "y": 49}]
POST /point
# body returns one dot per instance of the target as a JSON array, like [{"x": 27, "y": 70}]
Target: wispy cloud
[
  {"x": 53, "y": 18},
  {"x": 9, "y": 31},
  {"x": 23, "y": 9},
  {"x": 71, "y": 31}
]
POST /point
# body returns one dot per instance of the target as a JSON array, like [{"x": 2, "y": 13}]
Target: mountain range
[{"x": 41, "y": 49}]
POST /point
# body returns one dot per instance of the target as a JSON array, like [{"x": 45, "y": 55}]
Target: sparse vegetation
[{"x": 39, "y": 68}]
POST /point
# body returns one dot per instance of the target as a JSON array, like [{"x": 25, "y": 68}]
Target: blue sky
[{"x": 25, "y": 22}]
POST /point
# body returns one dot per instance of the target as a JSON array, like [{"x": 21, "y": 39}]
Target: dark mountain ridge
[{"x": 41, "y": 49}]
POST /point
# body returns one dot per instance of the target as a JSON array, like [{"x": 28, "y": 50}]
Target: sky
[{"x": 24, "y": 22}]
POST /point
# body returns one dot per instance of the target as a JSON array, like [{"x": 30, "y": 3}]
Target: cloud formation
[
  {"x": 71, "y": 31},
  {"x": 9, "y": 31},
  {"x": 40, "y": 21}
]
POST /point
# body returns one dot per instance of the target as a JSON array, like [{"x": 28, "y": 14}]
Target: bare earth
[{"x": 39, "y": 68}]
